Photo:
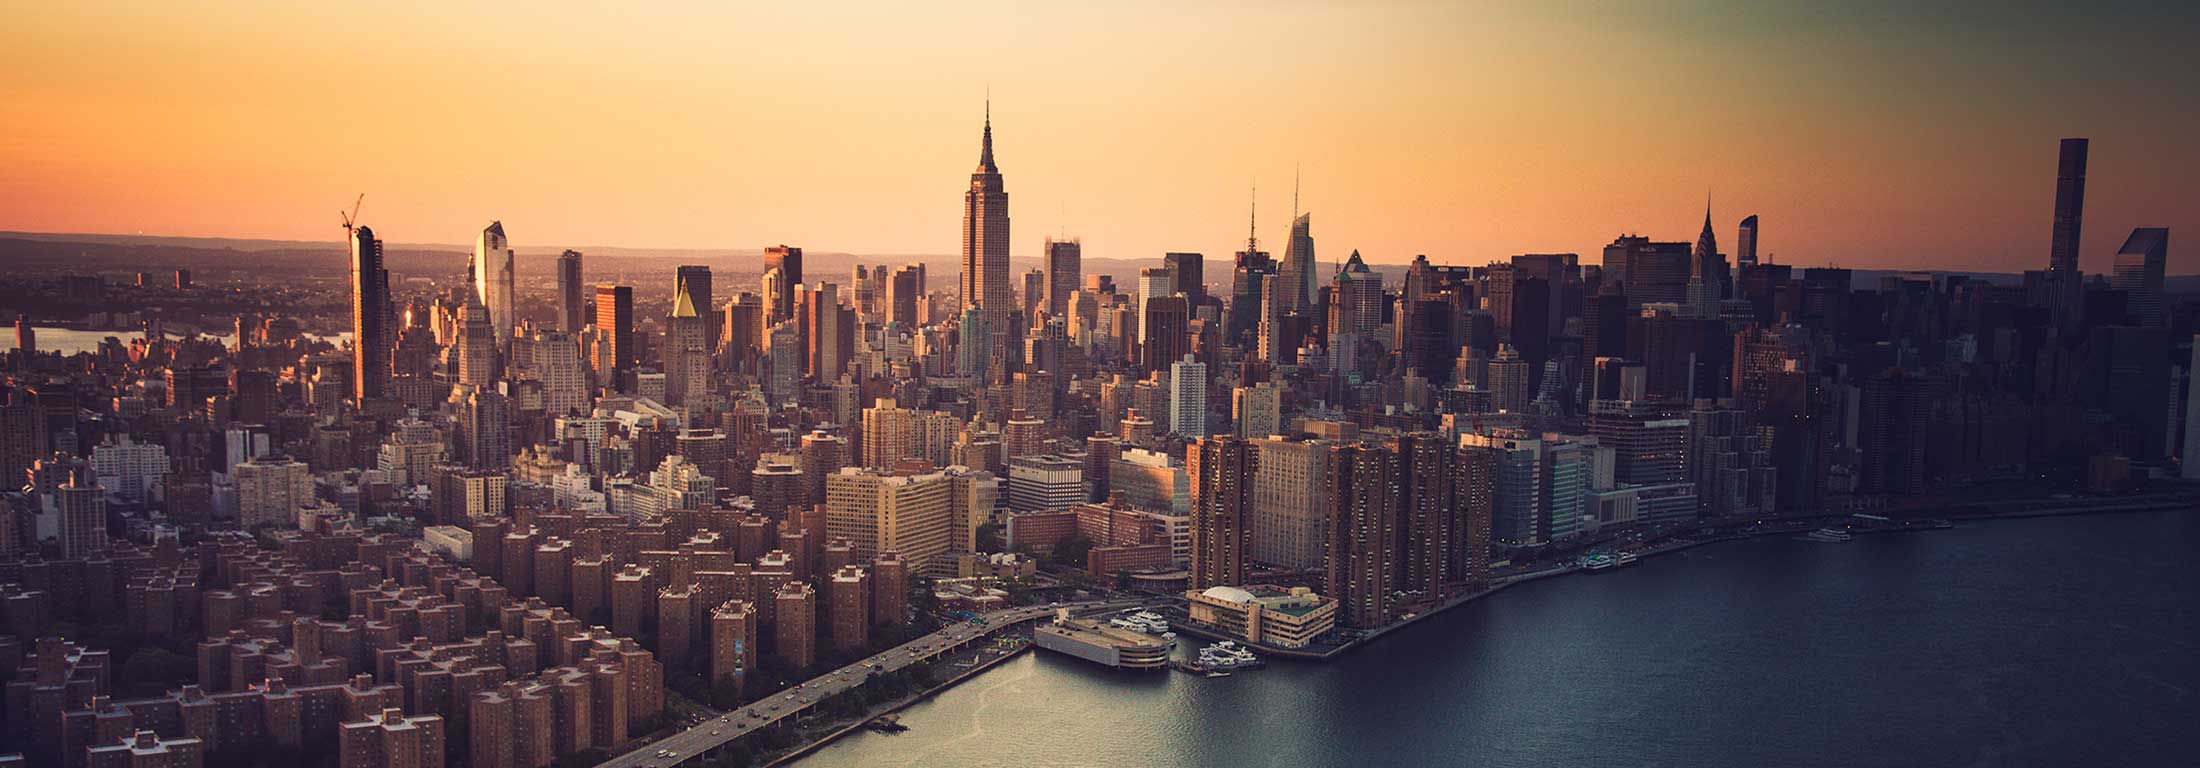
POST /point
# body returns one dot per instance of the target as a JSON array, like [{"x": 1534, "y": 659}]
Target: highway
[{"x": 702, "y": 740}]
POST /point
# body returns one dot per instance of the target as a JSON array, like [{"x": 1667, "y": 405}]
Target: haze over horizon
[{"x": 1874, "y": 136}]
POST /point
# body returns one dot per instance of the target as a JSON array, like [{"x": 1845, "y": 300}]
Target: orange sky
[{"x": 1868, "y": 138}]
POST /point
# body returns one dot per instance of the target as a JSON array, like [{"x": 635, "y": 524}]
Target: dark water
[{"x": 2060, "y": 641}]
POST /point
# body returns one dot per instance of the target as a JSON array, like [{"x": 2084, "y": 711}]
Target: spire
[
  {"x": 1252, "y": 226},
  {"x": 1294, "y": 191},
  {"x": 985, "y": 153}
]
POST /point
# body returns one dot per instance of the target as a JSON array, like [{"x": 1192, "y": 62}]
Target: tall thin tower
[
  {"x": 570, "y": 299},
  {"x": 985, "y": 233},
  {"x": 2062, "y": 258},
  {"x": 1300, "y": 280},
  {"x": 492, "y": 270},
  {"x": 370, "y": 317}
]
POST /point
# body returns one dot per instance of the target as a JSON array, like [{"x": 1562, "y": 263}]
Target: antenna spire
[
  {"x": 1294, "y": 192},
  {"x": 1252, "y": 226}
]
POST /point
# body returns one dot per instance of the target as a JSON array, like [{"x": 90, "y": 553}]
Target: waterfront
[
  {"x": 2046, "y": 641},
  {"x": 72, "y": 341}
]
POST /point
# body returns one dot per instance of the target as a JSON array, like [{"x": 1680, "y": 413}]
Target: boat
[
  {"x": 1217, "y": 673},
  {"x": 1828, "y": 535},
  {"x": 886, "y": 724},
  {"x": 1599, "y": 561},
  {"x": 1227, "y": 655}
]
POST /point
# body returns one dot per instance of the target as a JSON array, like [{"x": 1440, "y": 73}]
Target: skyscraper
[
  {"x": 614, "y": 335},
  {"x": 1297, "y": 269},
  {"x": 1064, "y": 259},
  {"x": 570, "y": 298},
  {"x": 985, "y": 233},
  {"x": 477, "y": 344},
  {"x": 2138, "y": 273},
  {"x": 687, "y": 348},
  {"x": 1706, "y": 272},
  {"x": 1188, "y": 398},
  {"x": 1221, "y": 470},
  {"x": 492, "y": 270},
  {"x": 1188, "y": 270},
  {"x": 2062, "y": 258},
  {"x": 779, "y": 296},
  {"x": 694, "y": 281},
  {"x": 1745, "y": 245},
  {"x": 371, "y": 317}
]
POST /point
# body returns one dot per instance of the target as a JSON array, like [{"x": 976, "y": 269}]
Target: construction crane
[{"x": 351, "y": 220}]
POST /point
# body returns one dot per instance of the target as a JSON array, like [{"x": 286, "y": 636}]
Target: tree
[
  {"x": 153, "y": 670},
  {"x": 989, "y": 538},
  {"x": 1071, "y": 550}
]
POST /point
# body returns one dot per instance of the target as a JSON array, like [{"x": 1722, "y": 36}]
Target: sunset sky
[{"x": 1864, "y": 134}]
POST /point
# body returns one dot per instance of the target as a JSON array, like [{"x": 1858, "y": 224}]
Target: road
[{"x": 712, "y": 734}]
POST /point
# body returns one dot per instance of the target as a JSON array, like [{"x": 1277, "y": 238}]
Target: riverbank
[
  {"x": 860, "y": 723},
  {"x": 1780, "y": 527}
]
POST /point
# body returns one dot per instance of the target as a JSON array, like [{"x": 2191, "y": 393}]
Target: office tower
[
  {"x": 2189, "y": 468},
  {"x": 1033, "y": 296},
  {"x": 779, "y": 294},
  {"x": 1361, "y": 493},
  {"x": 1167, "y": 325},
  {"x": 687, "y": 350},
  {"x": 615, "y": 336},
  {"x": 484, "y": 428},
  {"x": 1044, "y": 482},
  {"x": 1188, "y": 275},
  {"x": 2138, "y": 273},
  {"x": 183, "y": 279},
  {"x": 1258, "y": 410},
  {"x": 985, "y": 233},
  {"x": 1358, "y": 307},
  {"x": 2066, "y": 283},
  {"x": 694, "y": 281},
  {"x": 831, "y": 330},
  {"x": 905, "y": 299},
  {"x": 556, "y": 363},
  {"x": 1895, "y": 432},
  {"x": 1706, "y": 272},
  {"x": 795, "y": 616},
  {"x": 1508, "y": 376},
  {"x": 1222, "y": 472},
  {"x": 1188, "y": 398},
  {"x": 1153, "y": 283},
  {"x": 26, "y": 337},
  {"x": 1064, "y": 263},
  {"x": 1650, "y": 272},
  {"x": 81, "y": 514},
  {"x": 863, "y": 288},
  {"x": 1745, "y": 246},
  {"x": 477, "y": 344},
  {"x": 492, "y": 271},
  {"x": 371, "y": 318},
  {"x": 1301, "y": 280},
  {"x": 784, "y": 359},
  {"x": 570, "y": 298}
]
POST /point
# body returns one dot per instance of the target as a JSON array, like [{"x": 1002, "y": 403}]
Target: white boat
[
  {"x": 1828, "y": 535},
  {"x": 1227, "y": 655}
]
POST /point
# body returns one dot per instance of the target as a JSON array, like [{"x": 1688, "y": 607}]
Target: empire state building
[{"x": 985, "y": 235}]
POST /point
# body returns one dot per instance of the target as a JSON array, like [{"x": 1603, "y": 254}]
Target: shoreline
[
  {"x": 2050, "y": 508},
  {"x": 837, "y": 734}
]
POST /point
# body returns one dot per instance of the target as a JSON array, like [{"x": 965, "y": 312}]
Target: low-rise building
[{"x": 1265, "y": 614}]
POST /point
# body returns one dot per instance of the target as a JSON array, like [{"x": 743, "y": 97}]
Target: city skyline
[{"x": 1405, "y": 146}]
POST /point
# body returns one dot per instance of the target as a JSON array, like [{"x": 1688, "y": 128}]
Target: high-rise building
[
  {"x": 1707, "y": 272},
  {"x": 493, "y": 281},
  {"x": 905, "y": 299},
  {"x": 1745, "y": 245},
  {"x": 1508, "y": 376},
  {"x": 875, "y": 511},
  {"x": 1222, "y": 473},
  {"x": 1362, "y": 498},
  {"x": 2190, "y": 468},
  {"x": 1167, "y": 326},
  {"x": 372, "y": 337},
  {"x": 1649, "y": 272},
  {"x": 390, "y": 738},
  {"x": 570, "y": 293},
  {"x": 1064, "y": 264},
  {"x": 477, "y": 344},
  {"x": 985, "y": 233},
  {"x": 1258, "y": 410},
  {"x": 270, "y": 490},
  {"x": 1188, "y": 398},
  {"x": 1187, "y": 272},
  {"x": 2138, "y": 273},
  {"x": 693, "y": 280},
  {"x": 1301, "y": 281},
  {"x": 484, "y": 427},
  {"x": 615, "y": 336},
  {"x": 794, "y": 615},
  {"x": 733, "y": 648},
  {"x": 1044, "y": 482},
  {"x": 2066, "y": 283},
  {"x": 849, "y": 589},
  {"x": 1289, "y": 512},
  {"x": 788, "y": 260},
  {"x": 687, "y": 349},
  {"x": 1358, "y": 306}
]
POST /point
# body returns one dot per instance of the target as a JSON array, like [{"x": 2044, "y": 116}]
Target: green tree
[{"x": 989, "y": 538}]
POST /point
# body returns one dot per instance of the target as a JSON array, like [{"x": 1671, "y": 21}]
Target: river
[{"x": 2047, "y": 641}]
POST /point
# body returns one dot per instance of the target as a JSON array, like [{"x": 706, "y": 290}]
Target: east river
[{"x": 2048, "y": 641}]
